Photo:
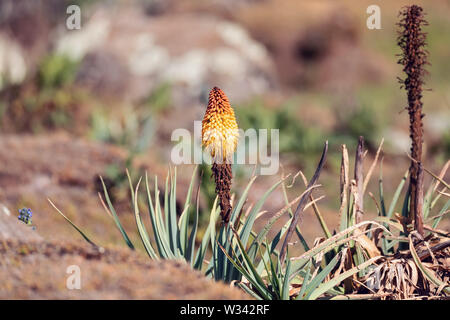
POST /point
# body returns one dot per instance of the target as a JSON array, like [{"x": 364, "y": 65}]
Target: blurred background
[{"x": 75, "y": 104}]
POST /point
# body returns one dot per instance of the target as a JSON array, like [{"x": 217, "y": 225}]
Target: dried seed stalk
[{"x": 412, "y": 41}]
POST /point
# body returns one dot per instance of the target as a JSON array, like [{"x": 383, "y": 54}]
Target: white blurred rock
[
  {"x": 190, "y": 52},
  {"x": 147, "y": 57},
  {"x": 12, "y": 62},
  {"x": 237, "y": 37},
  {"x": 77, "y": 43},
  {"x": 188, "y": 70},
  {"x": 5, "y": 209},
  {"x": 228, "y": 62}
]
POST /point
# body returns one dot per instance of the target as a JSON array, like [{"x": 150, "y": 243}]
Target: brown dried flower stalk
[
  {"x": 412, "y": 41},
  {"x": 220, "y": 137}
]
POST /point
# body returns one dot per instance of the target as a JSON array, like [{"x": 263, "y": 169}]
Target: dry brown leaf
[{"x": 367, "y": 244}]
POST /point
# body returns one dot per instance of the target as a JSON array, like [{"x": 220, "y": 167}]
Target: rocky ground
[
  {"x": 34, "y": 268},
  {"x": 33, "y": 263}
]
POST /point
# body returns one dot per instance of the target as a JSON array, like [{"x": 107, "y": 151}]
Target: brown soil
[
  {"x": 31, "y": 268},
  {"x": 63, "y": 169},
  {"x": 37, "y": 270},
  {"x": 33, "y": 263}
]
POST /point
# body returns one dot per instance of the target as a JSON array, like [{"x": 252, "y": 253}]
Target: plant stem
[{"x": 414, "y": 56}]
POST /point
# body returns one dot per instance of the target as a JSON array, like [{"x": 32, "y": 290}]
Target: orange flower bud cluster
[{"x": 219, "y": 127}]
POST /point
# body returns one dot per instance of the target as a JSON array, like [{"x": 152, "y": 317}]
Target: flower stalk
[
  {"x": 220, "y": 137},
  {"x": 412, "y": 41}
]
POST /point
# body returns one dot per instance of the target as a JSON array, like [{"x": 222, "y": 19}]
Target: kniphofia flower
[
  {"x": 219, "y": 127},
  {"x": 220, "y": 137}
]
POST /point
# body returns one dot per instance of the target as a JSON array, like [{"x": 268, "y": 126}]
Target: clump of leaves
[
  {"x": 160, "y": 98},
  {"x": 342, "y": 264},
  {"x": 360, "y": 260},
  {"x": 297, "y": 137},
  {"x": 362, "y": 121},
  {"x": 45, "y": 101},
  {"x": 57, "y": 71}
]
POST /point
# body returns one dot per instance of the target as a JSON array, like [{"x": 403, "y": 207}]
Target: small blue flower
[{"x": 25, "y": 215}]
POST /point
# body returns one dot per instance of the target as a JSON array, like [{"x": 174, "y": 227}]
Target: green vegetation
[
  {"x": 47, "y": 102},
  {"x": 56, "y": 71},
  {"x": 295, "y": 136},
  {"x": 339, "y": 266},
  {"x": 160, "y": 99},
  {"x": 362, "y": 121}
]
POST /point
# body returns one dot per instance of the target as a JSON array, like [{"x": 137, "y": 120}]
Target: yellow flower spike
[
  {"x": 219, "y": 127},
  {"x": 220, "y": 137}
]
